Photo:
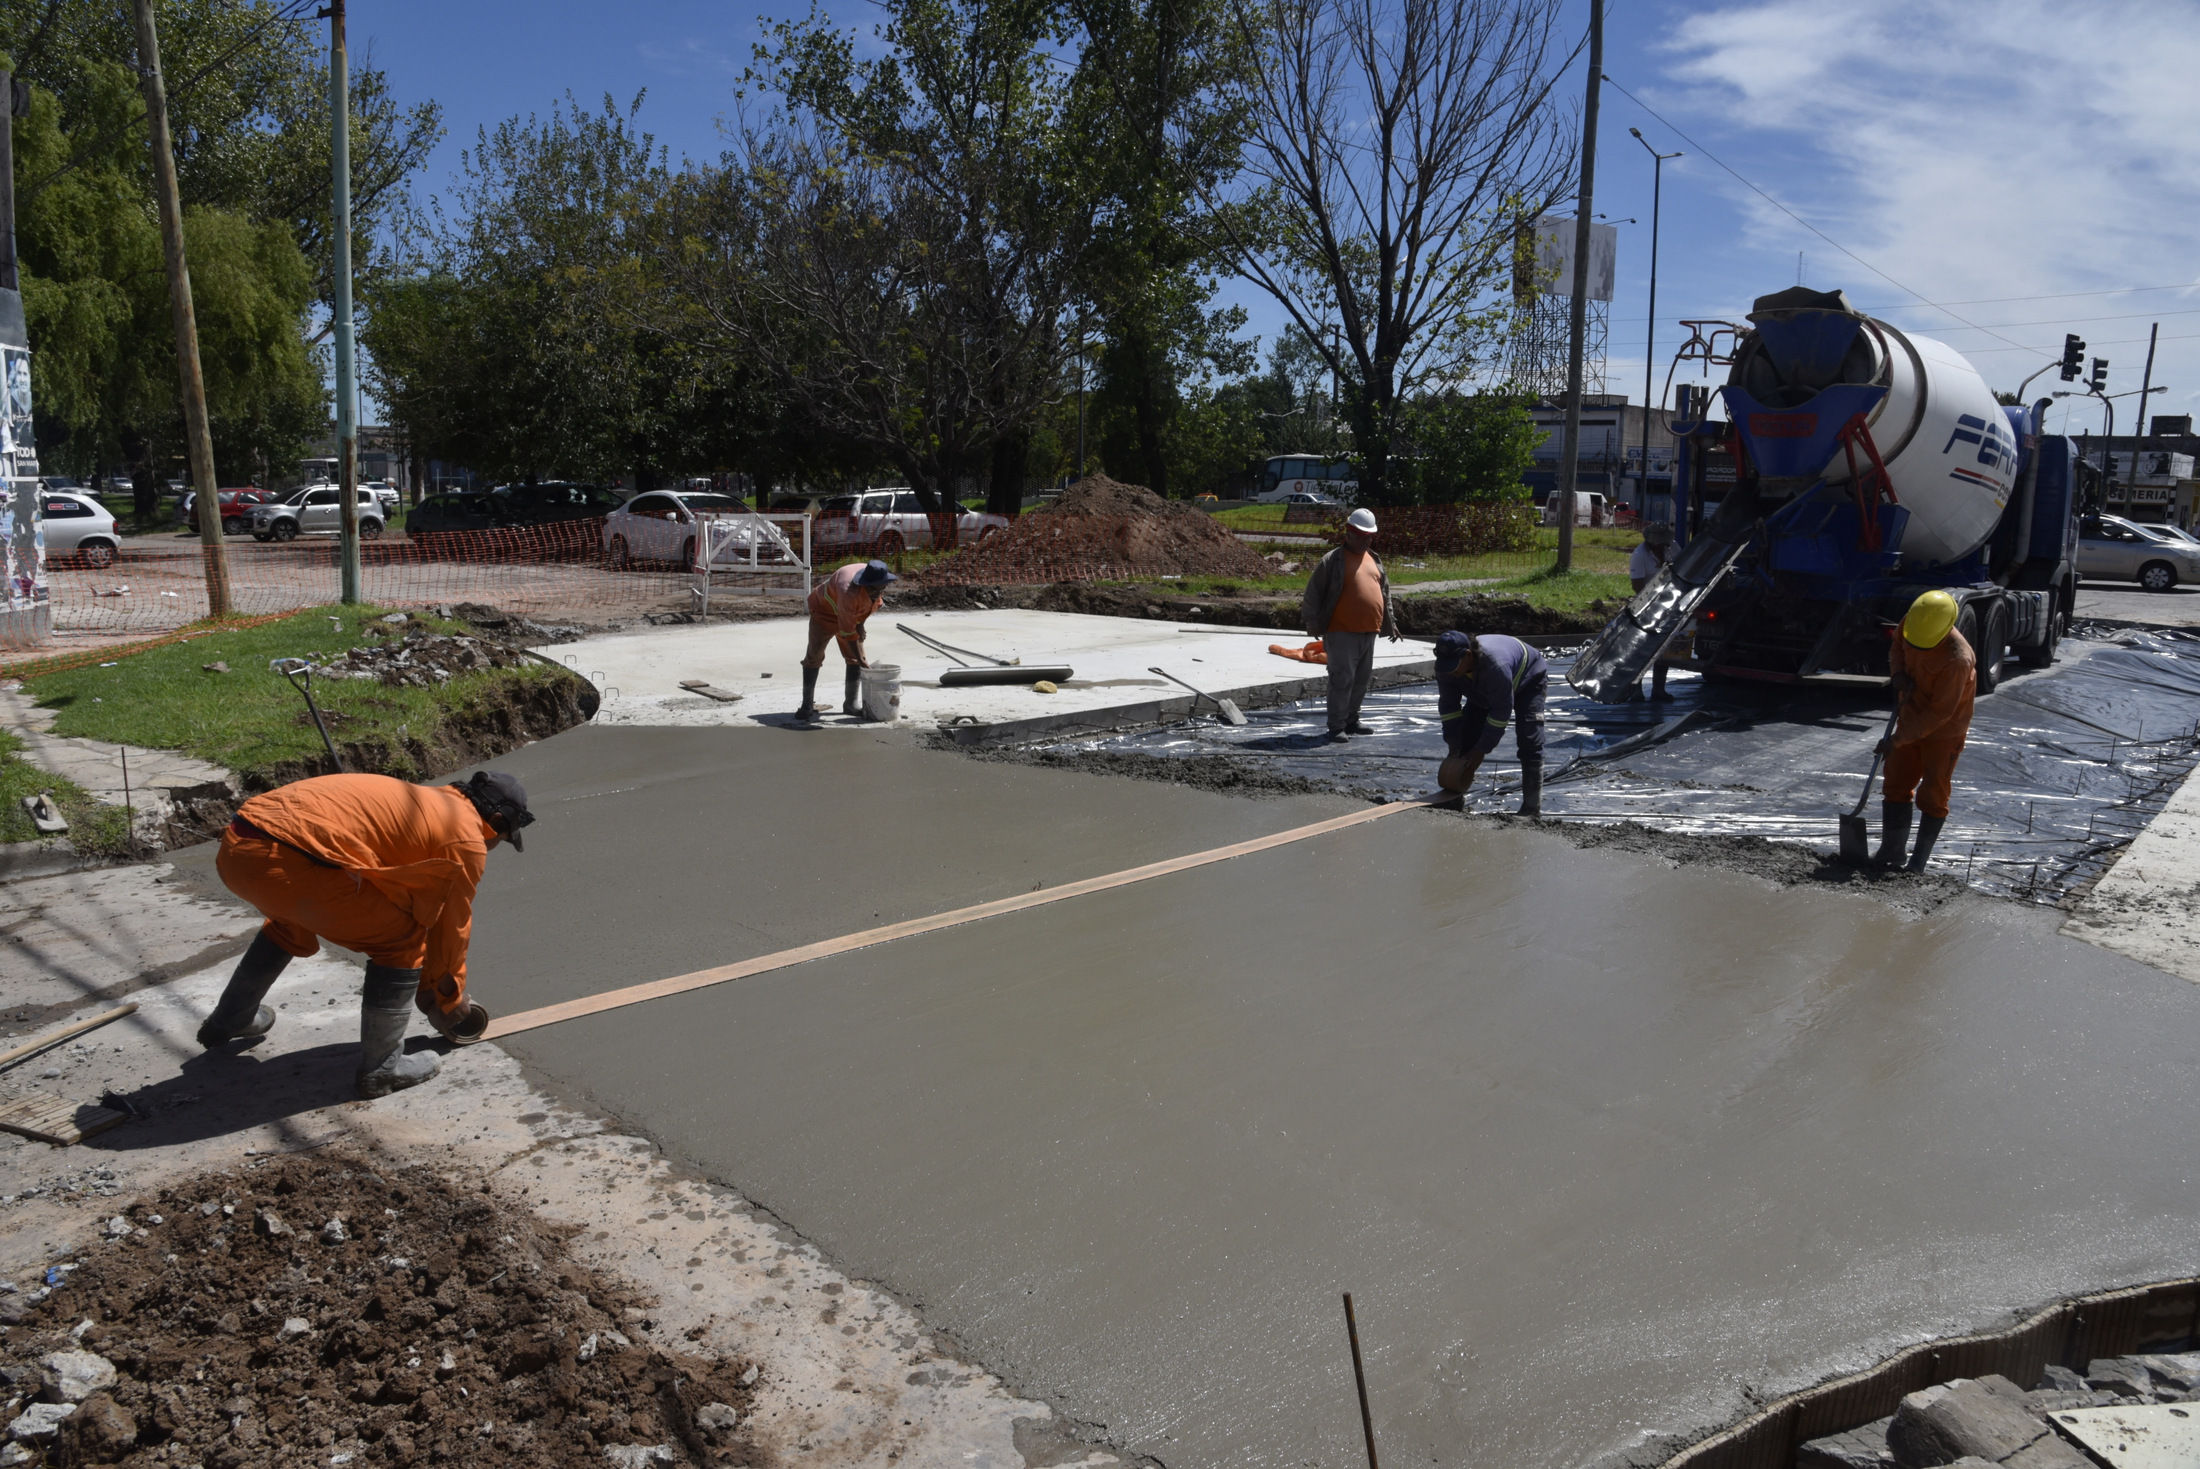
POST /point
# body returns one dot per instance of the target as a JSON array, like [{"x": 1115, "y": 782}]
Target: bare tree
[{"x": 1395, "y": 147}]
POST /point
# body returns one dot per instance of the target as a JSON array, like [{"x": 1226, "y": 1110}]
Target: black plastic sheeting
[{"x": 2064, "y": 766}]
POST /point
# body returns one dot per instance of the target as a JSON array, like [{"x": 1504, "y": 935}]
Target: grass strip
[{"x": 92, "y": 827}]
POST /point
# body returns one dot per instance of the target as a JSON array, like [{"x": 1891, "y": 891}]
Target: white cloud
[{"x": 2019, "y": 149}]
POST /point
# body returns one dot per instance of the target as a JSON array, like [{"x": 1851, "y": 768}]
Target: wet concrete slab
[{"x": 1607, "y": 1150}]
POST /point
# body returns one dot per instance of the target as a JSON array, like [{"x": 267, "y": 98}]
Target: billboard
[{"x": 1546, "y": 259}]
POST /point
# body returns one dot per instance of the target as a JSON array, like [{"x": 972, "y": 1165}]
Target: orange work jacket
[{"x": 1938, "y": 709}]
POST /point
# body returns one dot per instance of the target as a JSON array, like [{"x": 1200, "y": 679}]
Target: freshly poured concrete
[
  {"x": 1604, "y": 1149},
  {"x": 1111, "y": 658}
]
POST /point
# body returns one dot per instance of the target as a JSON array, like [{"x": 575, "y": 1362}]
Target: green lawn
[
  {"x": 92, "y": 827},
  {"x": 250, "y": 718}
]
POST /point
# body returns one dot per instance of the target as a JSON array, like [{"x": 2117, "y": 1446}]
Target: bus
[{"x": 1284, "y": 475}]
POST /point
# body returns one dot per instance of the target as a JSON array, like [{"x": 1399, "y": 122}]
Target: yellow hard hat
[{"x": 1927, "y": 622}]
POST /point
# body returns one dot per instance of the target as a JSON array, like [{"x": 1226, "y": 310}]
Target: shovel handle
[
  {"x": 1172, "y": 678},
  {"x": 1864, "y": 799}
]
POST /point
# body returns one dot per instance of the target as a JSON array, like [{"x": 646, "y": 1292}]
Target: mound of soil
[
  {"x": 320, "y": 1310},
  {"x": 1099, "y": 530}
]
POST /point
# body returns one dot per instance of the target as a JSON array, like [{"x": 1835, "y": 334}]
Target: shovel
[
  {"x": 1856, "y": 843},
  {"x": 1228, "y": 712}
]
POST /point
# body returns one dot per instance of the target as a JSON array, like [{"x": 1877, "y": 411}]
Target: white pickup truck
[{"x": 888, "y": 521}]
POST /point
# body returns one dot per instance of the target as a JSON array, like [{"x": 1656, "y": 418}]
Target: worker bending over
[
  {"x": 1654, "y": 552},
  {"x": 839, "y": 606},
  {"x": 1347, "y": 602},
  {"x": 1480, "y": 683},
  {"x": 381, "y": 866},
  {"x": 1936, "y": 679}
]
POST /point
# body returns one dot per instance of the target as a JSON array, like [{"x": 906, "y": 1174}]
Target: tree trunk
[
  {"x": 145, "y": 494},
  {"x": 1004, "y": 493}
]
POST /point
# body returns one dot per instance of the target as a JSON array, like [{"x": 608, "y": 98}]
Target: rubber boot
[
  {"x": 385, "y": 1008},
  {"x": 1531, "y": 787},
  {"x": 1657, "y": 684},
  {"x": 852, "y": 704},
  {"x": 1894, "y": 832},
  {"x": 239, "y": 1015},
  {"x": 1928, "y": 832},
  {"x": 808, "y": 712}
]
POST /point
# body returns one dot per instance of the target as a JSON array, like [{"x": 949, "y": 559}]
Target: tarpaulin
[{"x": 2064, "y": 766}]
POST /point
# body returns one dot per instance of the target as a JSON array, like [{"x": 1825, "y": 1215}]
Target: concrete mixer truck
[{"x": 1865, "y": 465}]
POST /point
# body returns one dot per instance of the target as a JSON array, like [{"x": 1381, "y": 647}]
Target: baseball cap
[
  {"x": 1658, "y": 533},
  {"x": 1450, "y": 648},
  {"x": 502, "y": 802},
  {"x": 875, "y": 575},
  {"x": 1362, "y": 519}
]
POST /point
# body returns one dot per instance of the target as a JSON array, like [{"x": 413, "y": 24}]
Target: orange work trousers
[
  {"x": 305, "y": 901},
  {"x": 851, "y": 647},
  {"x": 1926, "y": 769}
]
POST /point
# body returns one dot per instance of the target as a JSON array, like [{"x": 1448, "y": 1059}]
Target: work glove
[{"x": 1883, "y": 746}]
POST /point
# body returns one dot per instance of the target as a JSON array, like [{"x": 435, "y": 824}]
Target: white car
[
  {"x": 76, "y": 524},
  {"x": 889, "y": 521},
  {"x": 315, "y": 510},
  {"x": 385, "y": 492},
  {"x": 662, "y": 526}
]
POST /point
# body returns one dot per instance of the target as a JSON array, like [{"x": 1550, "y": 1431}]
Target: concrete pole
[
  {"x": 2139, "y": 418},
  {"x": 1569, "y": 458},
  {"x": 347, "y": 368},
  {"x": 198, "y": 436}
]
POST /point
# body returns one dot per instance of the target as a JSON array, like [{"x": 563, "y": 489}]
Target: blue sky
[{"x": 2032, "y": 168}]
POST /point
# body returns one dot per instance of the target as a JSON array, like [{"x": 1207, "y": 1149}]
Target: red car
[{"x": 236, "y": 509}]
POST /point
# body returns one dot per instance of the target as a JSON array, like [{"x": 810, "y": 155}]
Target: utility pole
[
  {"x": 1650, "y": 342},
  {"x": 2139, "y": 415},
  {"x": 1569, "y": 458},
  {"x": 1080, "y": 391},
  {"x": 347, "y": 367},
  {"x": 198, "y": 436},
  {"x": 9, "y": 281}
]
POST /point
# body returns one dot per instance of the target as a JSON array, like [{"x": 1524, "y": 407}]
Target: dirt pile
[
  {"x": 418, "y": 657},
  {"x": 321, "y": 1309},
  {"x": 1099, "y": 530}
]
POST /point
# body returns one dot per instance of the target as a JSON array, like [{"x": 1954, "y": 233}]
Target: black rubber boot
[
  {"x": 1657, "y": 684},
  {"x": 1894, "y": 832},
  {"x": 239, "y": 1015},
  {"x": 385, "y": 1008},
  {"x": 1531, "y": 787},
  {"x": 852, "y": 704},
  {"x": 808, "y": 711},
  {"x": 1928, "y": 832}
]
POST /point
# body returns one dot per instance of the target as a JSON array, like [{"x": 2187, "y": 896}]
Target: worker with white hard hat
[
  {"x": 1347, "y": 603},
  {"x": 1936, "y": 679},
  {"x": 1654, "y": 552}
]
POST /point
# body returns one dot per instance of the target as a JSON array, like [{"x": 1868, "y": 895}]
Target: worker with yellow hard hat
[{"x": 1935, "y": 678}]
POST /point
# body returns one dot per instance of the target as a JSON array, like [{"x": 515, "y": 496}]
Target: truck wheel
[
  {"x": 1992, "y": 647},
  {"x": 890, "y": 545},
  {"x": 2157, "y": 576},
  {"x": 2043, "y": 656}
]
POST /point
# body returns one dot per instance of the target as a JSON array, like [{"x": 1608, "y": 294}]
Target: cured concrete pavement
[{"x": 1606, "y": 1150}]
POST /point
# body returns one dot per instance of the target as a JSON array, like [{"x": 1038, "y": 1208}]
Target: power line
[
  {"x": 1806, "y": 224},
  {"x": 2052, "y": 296},
  {"x": 2124, "y": 342}
]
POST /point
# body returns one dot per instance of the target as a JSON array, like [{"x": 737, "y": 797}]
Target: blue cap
[
  {"x": 875, "y": 575},
  {"x": 1450, "y": 648}
]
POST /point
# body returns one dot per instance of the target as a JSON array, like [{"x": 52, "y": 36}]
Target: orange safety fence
[{"x": 155, "y": 586}]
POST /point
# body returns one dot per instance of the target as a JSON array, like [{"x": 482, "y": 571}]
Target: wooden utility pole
[
  {"x": 198, "y": 437},
  {"x": 1569, "y": 458},
  {"x": 347, "y": 367}
]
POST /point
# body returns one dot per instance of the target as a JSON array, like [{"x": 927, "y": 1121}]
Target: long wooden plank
[
  {"x": 46, "y": 1042},
  {"x": 910, "y": 928}
]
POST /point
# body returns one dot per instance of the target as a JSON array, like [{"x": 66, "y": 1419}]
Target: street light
[{"x": 1650, "y": 341}]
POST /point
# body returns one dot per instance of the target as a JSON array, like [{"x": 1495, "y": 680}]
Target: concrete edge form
[
  {"x": 1162, "y": 711},
  {"x": 2070, "y": 1333}
]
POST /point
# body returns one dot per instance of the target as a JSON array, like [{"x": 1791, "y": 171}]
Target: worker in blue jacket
[{"x": 1481, "y": 684}]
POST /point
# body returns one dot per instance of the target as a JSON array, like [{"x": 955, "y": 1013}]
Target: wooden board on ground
[
  {"x": 709, "y": 691},
  {"x": 51, "y": 1119}
]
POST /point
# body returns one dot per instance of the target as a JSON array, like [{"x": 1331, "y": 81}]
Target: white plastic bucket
[{"x": 882, "y": 692}]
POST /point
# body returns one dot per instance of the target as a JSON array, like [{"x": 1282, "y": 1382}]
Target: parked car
[
  {"x": 1590, "y": 508},
  {"x": 2111, "y": 548},
  {"x": 78, "y": 525},
  {"x": 236, "y": 507},
  {"x": 661, "y": 526},
  {"x": 556, "y": 500},
  {"x": 442, "y": 514},
  {"x": 889, "y": 521},
  {"x": 314, "y": 510},
  {"x": 386, "y": 493},
  {"x": 793, "y": 504}
]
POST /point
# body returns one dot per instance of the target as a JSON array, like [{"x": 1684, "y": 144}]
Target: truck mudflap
[{"x": 1609, "y": 669}]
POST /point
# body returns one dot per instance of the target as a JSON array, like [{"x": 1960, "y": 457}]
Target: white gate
[{"x": 751, "y": 552}]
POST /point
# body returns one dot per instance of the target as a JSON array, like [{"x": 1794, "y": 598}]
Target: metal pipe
[
  {"x": 347, "y": 366},
  {"x": 1569, "y": 458},
  {"x": 1359, "y": 1379}
]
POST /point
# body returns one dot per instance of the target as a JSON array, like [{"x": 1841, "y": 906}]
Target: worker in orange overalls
[
  {"x": 375, "y": 864},
  {"x": 839, "y": 606},
  {"x": 1936, "y": 679}
]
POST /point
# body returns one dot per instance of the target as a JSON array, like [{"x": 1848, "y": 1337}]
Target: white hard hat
[{"x": 1362, "y": 519}]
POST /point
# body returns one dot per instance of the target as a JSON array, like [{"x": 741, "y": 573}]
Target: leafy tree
[{"x": 1467, "y": 448}]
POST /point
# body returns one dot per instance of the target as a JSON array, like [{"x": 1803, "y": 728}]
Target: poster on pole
[{"x": 1549, "y": 257}]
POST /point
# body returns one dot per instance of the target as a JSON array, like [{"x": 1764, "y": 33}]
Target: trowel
[
  {"x": 995, "y": 671},
  {"x": 1226, "y": 711},
  {"x": 1856, "y": 841}
]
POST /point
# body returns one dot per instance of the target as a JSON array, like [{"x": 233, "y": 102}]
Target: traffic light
[
  {"x": 2099, "y": 380},
  {"x": 2073, "y": 358}
]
